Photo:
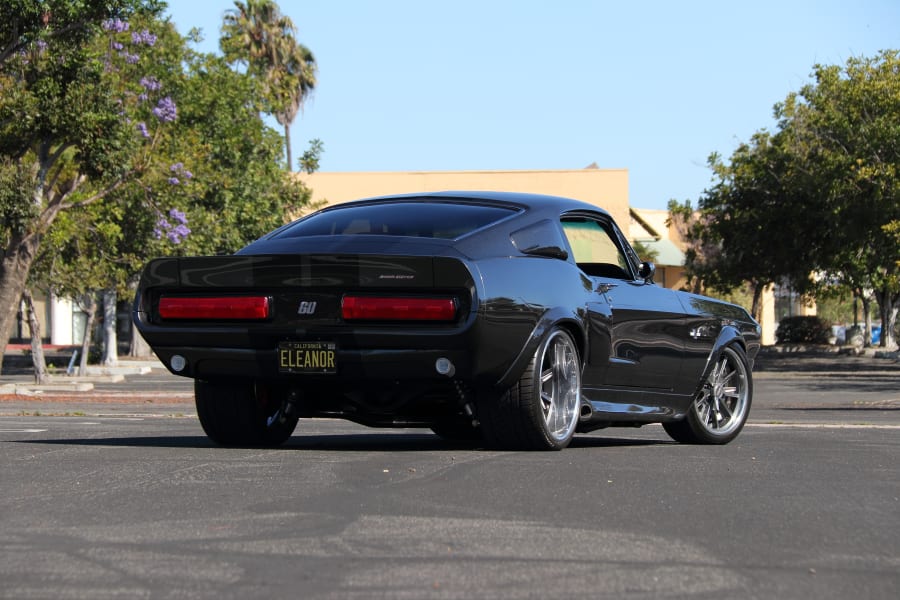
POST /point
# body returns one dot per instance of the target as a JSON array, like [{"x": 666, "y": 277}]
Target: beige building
[
  {"x": 650, "y": 228},
  {"x": 606, "y": 188}
]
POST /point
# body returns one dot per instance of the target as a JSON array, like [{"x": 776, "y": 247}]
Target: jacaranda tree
[{"x": 123, "y": 145}]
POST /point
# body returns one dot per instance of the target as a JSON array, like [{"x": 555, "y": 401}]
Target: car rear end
[
  {"x": 368, "y": 311},
  {"x": 279, "y": 316}
]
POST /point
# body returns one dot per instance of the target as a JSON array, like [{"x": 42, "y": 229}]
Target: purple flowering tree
[
  {"x": 75, "y": 169},
  {"x": 183, "y": 163},
  {"x": 174, "y": 228},
  {"x": 51, "y": 157}
]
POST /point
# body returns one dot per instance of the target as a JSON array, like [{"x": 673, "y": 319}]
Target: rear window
[{"x": 445, "y": 220}]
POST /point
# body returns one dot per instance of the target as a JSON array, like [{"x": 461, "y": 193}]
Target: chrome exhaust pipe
[{"x": 587, "y": 411}]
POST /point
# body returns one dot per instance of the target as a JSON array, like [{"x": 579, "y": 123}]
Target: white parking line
[
  {"x": 823, "y": 425},
  {"x": 22, "y": 430}
]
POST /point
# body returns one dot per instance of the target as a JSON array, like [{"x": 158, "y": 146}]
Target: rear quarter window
[{"x": 442, "y": 220}]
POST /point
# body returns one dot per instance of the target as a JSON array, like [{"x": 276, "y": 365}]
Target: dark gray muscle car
[{"x": 514, "y": 319}]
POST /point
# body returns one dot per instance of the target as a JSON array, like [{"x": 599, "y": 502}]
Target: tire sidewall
[
  {"x": 534, "y": 379},
  {"x": 699, "y": 429}
]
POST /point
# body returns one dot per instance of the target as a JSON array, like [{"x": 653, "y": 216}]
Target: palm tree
[
  {"x": 256, "y": 34},
  {"x": 292, "y": 86},
  {"x": 251, "y": 34}
]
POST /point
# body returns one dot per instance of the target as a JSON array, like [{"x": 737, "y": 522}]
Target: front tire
[
  {"x": 720, "y": 409},
  {"x": 541, "y": 410},
  {"x": 242, "y": 414}
]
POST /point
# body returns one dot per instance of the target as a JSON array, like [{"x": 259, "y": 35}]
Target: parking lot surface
[{"x": 106, "y": 496}]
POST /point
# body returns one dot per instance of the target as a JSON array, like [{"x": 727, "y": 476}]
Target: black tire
[
  {"x": 242, "y": 414},
  {"x": 719, "y": 410},
  {"x": 541, "y": 410}
]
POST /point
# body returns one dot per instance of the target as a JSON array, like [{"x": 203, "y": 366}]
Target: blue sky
[{"x": 649, "y": 86}]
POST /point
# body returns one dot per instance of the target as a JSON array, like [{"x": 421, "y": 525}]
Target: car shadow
[{"x": 365, "y": 442}]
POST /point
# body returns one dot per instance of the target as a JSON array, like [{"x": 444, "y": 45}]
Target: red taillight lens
[
  {"x": 218, "y": 308},
  {"x": 398, "y": 309}
]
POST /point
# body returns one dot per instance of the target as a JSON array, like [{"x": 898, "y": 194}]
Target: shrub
[{"x": 803, "y": 330}]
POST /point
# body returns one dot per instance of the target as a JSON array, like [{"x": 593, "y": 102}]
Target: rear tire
[
  {"x": 541, "y": 410},
  {"x": 242, "y": 414},
  {"x": 719, "y": 410}
]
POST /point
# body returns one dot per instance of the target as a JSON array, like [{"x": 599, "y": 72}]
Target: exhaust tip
[{"x": 586, "y": 411}]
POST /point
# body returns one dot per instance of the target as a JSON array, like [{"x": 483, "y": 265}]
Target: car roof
[{"x": 528, "y": 201}]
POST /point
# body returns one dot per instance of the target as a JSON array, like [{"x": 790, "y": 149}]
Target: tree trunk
[
  {"x": 888, "y": 305},
  {"x": 287, "y": 147},
  {"x": 756, "y": 310},
  {"x": 90, "y": 307},
  {"x": 110, "y": 322},
  {"x": 139, "y": 346},
  {"x": 17, "y": 259},
  {"x": 37, "y": 347},
  {"x": 867, "y": 321}
]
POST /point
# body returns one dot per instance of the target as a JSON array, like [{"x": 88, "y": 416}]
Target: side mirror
[{"x": 646, "y": 271}]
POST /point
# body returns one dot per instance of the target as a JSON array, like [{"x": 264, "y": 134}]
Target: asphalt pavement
[{"x": 115, "y": 492}]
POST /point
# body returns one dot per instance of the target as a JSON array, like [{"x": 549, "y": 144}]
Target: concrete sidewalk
[
  {"x": 142, "y": 387},
  {"x": 19, "y": 380}
]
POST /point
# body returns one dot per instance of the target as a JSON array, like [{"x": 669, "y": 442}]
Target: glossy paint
[{"x": 644, "y": 350}]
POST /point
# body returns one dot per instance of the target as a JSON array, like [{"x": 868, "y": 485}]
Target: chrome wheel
[
  {"x": 721, "y": 406},
  {"x": 541, "y": 410},
  {"x": 560, "y": 386},
  {"x": 719, "y": 410}
]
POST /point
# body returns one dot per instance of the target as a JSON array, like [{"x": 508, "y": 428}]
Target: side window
[{"x": 594, "y": 248}]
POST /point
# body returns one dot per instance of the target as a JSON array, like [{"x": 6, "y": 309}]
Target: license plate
[{"x": 307, "y": 357}]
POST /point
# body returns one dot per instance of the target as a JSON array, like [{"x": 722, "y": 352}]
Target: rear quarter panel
[{"x": 521, "y": 298}]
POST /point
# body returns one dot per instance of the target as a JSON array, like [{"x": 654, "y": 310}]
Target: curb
[{"x": 24, "y": 389}]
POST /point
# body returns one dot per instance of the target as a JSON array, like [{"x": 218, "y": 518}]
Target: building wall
[
  {"x": 55, "y": 317},
  {"x": 606, "y": 188}
]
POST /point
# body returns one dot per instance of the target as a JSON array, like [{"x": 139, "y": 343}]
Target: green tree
[
  {"x": 309, "y": 160},
  {"x": 198, "y": 169},
  {"x": 845, "y": 128},
  {"x": 294, "y": 82},
  {"x": 699, "y": 253},
  {"x": 257, "y": 35},
  {"x": 818, "y": 197},
  {"x": 755, "y": 224},
  {"x": 78, "y": 259},
  {"x": 59, "y": 126}
]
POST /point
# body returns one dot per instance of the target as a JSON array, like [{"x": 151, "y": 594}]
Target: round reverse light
[
  {"x": 444, "y": 367},
  {"x": 178, "y": 363}
]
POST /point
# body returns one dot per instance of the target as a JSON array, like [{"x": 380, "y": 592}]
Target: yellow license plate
[{"x": 307, "y": 357}]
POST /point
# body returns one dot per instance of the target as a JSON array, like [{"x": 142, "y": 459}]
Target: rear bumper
[{"x": 352, "y": 365}]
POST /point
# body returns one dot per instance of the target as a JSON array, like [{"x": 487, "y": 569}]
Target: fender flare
[
  {"x": 728, "y": 336},
  {"x": 573, "y": 323}
]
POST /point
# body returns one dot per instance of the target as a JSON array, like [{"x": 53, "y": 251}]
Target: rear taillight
[
  {"x": 371, "y": 308},
  {"x": 214, "y": 308}
]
